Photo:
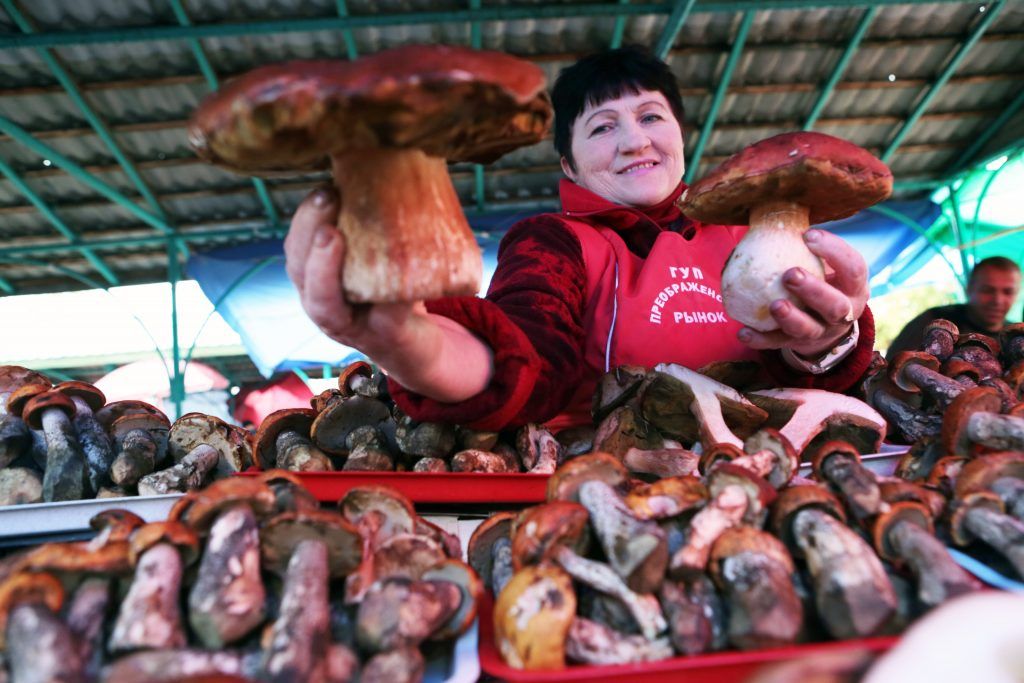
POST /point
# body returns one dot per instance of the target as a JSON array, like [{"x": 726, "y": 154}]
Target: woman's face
[{"x": 628, "y": 150}]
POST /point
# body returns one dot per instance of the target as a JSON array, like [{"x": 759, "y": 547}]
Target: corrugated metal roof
[{"x": 144, "y": 87}]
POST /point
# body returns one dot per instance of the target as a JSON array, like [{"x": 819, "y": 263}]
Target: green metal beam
[
  {"x": 619, "y": 29},
  {"x": 476, "y": 41},
  {"x": 21, "y": 136},
  {"x": 840, "y": 67},
  {"x": 75, "y": 93},
  {"x": 346, "y": 33},
  {"x": 496, "y": 13},
  {"x": 177, "y": 375},
  {"x": 890, "y": 212},
  {"x": 992, "y": 11},
  {"x": 673, "y": 25},
  {"x": 214, "y": 84},
  {"x": 57, "y": 222},
  {"x": 7, "y": 287},
  {"x": 990, "y": 131},
  {"x": 723, "y": 87}
]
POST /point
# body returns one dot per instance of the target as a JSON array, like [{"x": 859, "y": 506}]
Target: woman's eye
[
  {"x": 650, "y": 118},
  {"x": 604, "y": 127}
]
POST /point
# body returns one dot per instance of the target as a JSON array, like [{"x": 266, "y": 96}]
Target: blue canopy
[{"x": 250, "y": 289}]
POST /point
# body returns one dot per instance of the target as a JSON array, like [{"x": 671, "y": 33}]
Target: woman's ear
[{"x": 568, "y": 170}]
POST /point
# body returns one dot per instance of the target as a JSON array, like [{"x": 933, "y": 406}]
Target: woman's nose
[{"x": 633, "y": 139}]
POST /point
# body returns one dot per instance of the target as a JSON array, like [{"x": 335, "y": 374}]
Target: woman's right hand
[{"x": 314, "y": 256}]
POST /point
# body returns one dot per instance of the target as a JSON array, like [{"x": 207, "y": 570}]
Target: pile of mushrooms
[
  {"x": 357, "y": 427},
  {"x": 688, "y": 530},
  {"x": 247, "y": 578},
  {"x": 65, "y": 442}
]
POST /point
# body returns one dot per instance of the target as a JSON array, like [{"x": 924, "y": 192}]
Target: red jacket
[{"x": 533, "y": 315}]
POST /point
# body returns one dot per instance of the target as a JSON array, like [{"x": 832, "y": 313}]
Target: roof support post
[
  {"x": 346, "y": 33},
  {"x": 723, "y": 87},
  {"x": 476, "y": 41},
  {"x": 840, "y": 67},
  {"x": 673, "y": 25},
  {"x": 619, "y": 30},
  {"x": 176, "y": 376}
]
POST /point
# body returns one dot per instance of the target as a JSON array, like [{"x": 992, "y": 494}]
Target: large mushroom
[
  {"x": 15, "y": 437},
  {"x": 387, "y": 123},
  {"x": 99, "y": 452},
  {"x": 780, "y": 187}
]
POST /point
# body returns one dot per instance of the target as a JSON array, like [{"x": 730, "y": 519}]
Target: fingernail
[
  {"x": 812, "y": 235},
  {"x": 779, "y": 307},
  {"x": 795, "y": 276},
  {"x": 744, "y": 335},
  {"x": 323, "y": 196},
  {"x": 323, "y": 237}
]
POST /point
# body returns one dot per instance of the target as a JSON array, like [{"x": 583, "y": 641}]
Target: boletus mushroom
[
  {"x": 780, "y": 187},
  {"x": 388, "y": 123}
]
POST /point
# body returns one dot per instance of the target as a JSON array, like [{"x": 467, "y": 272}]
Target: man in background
[{"x": 992, "y": 288}]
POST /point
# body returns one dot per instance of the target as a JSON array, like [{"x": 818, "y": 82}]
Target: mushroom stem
[
  {"x": 15, "y": 438},
  {"x": 187, "y": 475},
  {"x": 150, "y": 617},
  {"x": 1004, "y": 432},
  {"x": 912, "y": 423},
  {"x": 855, "y": 482},
  {"x": 1011, "y": 491},
  {"x": 65, "y": 476},
  {"x": 296, "y": 452},
  {"x": 644, "y": 607},
  {"x": 136, "y": 458},
  {"x": 1002, "y": 532},
  {"x": 726, "y": 510},
  {"x": 752, "y": 278},
  {"x": 406, "y": 238},
  {"x": 939, "y": 578},
  {"x": 99, "y": 452},
  {"x": 501, "y": 567},
  {"x": 40, "y": 647},
  {"x": 226, "y": 602},
  {"x": 85, "y": 619},
  {"x": 661, "y": 462},
  {"x": 696, "y": 615},
  {"x": 591, "y": 642},
  {"x": 299, "y": 638},
  {"x": 160, "y": 666},
  {"x": 940, "y": 388},
  {"x": 851, "y": 590},
  {"x": 764, "y": 610}
]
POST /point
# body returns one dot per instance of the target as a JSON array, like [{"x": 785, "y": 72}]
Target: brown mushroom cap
[
  {"x": 173, "y": 533},
  {"x": 207, "y": 505},
  {"x": 540, "y": 530},
  {"x": 984, "y": 341},
  {"x": 33, "y": 411},
  {"x": 92, "y": 396},
  {"x": 793, "y": 499},
  {"x": 394, "y": 513},
  {"x": 478, "y": 551},
  {"x": 14, "y": 376},
  {"x": 667, "y": 497},
  {"x": 283, "y": 533},
  {"x": 905, "y": 358},
  {"x": 903, "y": 511},
  {"x": 23, "y": 394},
  {"x": 289, "y": 492},
  {"x": 981, "y": 472},
  {"x": 565, "y": 482},
  {"x": 450, "y": 102},
  {"x": 958, "y": 367},
  {"x": 195, "y": 429},
  {"x": 744, "y": 539},
  {"x": 110, "y": 412},
  {"x": 532, "y": 616},
  {"x": 463, "y": 576},
  {"x": 360, "y": 368},
  {"x": 954, "y": 423},
  {"x": 822, "y": 453},
  {"x": 337, "y": 420},
  {"x": 27, "y": 588},
  {"x": 111, "y": 558},
  {"x": 832, "y": 177},
  {"x": 897, "y": 490},
  {"x": 759, "y": 492},
  {"x": 716, "y": 453},
  {"x": 287, "y": 419},
  {"x": 114, "y": 525},
  {"x": 961, "y": 506}
]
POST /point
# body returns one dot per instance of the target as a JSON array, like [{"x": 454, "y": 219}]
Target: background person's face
[
  {"x": 992, "y": 294},
  {"x": 628, "y": 150}
]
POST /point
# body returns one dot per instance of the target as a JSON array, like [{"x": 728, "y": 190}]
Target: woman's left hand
[{"x": 831, "y": 304}]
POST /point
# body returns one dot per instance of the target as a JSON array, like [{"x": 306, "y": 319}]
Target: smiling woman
[{"x": 619, "y": 276}]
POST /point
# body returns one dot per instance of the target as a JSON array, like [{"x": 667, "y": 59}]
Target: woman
[{"x": 618, "y": 277}]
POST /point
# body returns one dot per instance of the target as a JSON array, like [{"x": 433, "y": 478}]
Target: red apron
[{"x": 665, "y": 308}]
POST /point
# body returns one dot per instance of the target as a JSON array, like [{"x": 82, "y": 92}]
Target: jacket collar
[{"x": 579, "y": 202}]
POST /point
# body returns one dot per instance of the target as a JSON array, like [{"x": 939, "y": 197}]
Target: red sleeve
[
  {"x": 840, "y": 378},
  {"x": 533, "y": 320}
]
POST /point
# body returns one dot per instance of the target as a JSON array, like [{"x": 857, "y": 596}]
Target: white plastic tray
[{"x": 37, "y": 519}]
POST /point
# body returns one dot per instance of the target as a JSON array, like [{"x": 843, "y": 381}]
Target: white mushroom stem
[
  {"x": 64, "y": 478},
  {"x": 1002, "y": 532},
  {"x": 939, "y": 577},
  {"x": 644, "y": 607},
  {"x": 1011, "y": 491},
  {"x": 725, "y": 511},
  {"x": 40, "y": 647},
  {"x": 856, "y": 483},
  {"x": 813, "y": 411},
  {"x": 187, "y": 475},
  {"x": 150, "y": 617},
  {"x": 85, "y": 618},
  {"x": 406, "y": 238},
  {"x": 1005, "y": 432},
  {"x": 752, "y": 278},
  {"x": 160, "y": 666},
  {"x": 591, "y": 642},
  {"x": 99, "y": 452}
]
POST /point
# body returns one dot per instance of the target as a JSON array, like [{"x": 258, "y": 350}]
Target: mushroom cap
[
  {"x": 945, "y": 472},
  {"x": 957, "y": 367},
  {"x": 984, "y": 341},
  {"x": 14, "y": 376},
  {"x": 110, "y": 412},
  {"x": 478, "y": 551},
  {"x": 667, "y": 497},
  {"x": 209, "y": 503},
  {"x": 905, "y": 358},
  {"x": 406, "y": 555},
  {"x": 289, "y": 492},
  {"x": 898, "y": 490},
  {"x": 337, "y": 420},
  {"x": 176, "y": 534},
  {"x": 959, "y": 508},
  {"x": 903, "y": 511},
  {"x": 359, "y": 368},
  {"x": 89, "y": 393},
  {"x": 786, "y": 461},
  {"x": 324, "y": 399},
  {"x": 540, "y": 530},
  {"x": 825, "y": 451},
  {"x": 23, "y": 394},
  {"x": 716, "y": 453},
  {"x": 792, "y": 499},
  {"x": 564, "y": 484},
  {"x": 943, "y": 324},
  {"x": 287, "y": 419},
  {"x": 111, "y": 558},
  {"x": 759, "y": 492},
  {"x": 981, "y": 472},
  {"x": 33, "y": 411},
  {"x": 392, "y": 512},
  {"x": 115, "y": 524},
  {"x": 833, "y": 178},
  {"x": 280, "y": 535},
  {"x": 472, "y": 588},
  {"x": 954, "y": 423},
  {"x": 532, "y": 615},
  {"x": 450, "y": 102},
  {"x": 195, "y": 429},
  {"x": 26, "y": 588},
  {"x": 746, "y": 539}
]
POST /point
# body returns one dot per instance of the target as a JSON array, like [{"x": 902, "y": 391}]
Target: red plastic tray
[
  {"x": 432, "y": 487},
  {"x": 719, "y": 667}
]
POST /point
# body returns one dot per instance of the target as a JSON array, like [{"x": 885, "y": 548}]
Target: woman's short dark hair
[{"x": 606, "y": 76}]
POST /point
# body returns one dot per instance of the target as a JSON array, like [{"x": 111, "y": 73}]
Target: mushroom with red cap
[
  {"x": 837, "y": 464},
  {"x": 193, "y": 430},
  {"x": 1002, "y": 473},
  {"x": 15, "y": 438},
  {"x": 939, "y": 337},
  {"x": 66, "y": 476},
  {"x": 283, "y": 441},
  {"x": 140, "y": 440},
  {"x": 981, "y": 516},
  {"x": 99, "y": 452},
  {"x": 388, "y": 123},
  {"x": 974, "y": 418},
  {"x": 806, "y": 416},
  {"x": 780, "y": 187},
  {"x": 38, "y": 645},
  {"x": 916, "y": 371}
]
